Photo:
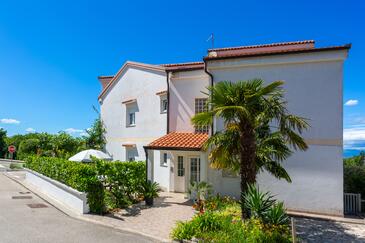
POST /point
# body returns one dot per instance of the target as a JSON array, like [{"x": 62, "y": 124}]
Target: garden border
[{"x": 70, "y": 198}]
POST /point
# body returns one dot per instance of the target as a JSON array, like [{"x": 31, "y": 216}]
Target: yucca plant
[
  {"x": 276, "y": 215},
  {"x": 256, "y": 203}
]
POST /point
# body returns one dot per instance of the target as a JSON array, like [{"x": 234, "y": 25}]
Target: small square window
[{"x": 164, "y": 160}]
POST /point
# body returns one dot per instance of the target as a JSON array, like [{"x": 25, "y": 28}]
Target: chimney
[{"x": 105, "y": 80}]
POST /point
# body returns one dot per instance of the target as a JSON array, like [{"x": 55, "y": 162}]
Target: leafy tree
[
  {"x": 96, "y": 138},
  {"x": 358, "y": 160},
  {"x": 64, "y": 145},
  {"x": 259, "y": 131},
  {"x": 3, "y": 146},
  {"x": 29, "y": 147}
]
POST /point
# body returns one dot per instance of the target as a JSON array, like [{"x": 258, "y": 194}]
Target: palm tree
[{"x": 259, "y": 131}]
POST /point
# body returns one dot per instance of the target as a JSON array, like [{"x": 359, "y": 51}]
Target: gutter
[
  {"x": 211, "y": 84},
  {"x": 146, "y": 153},
  {"x": 168, "y": 102}
]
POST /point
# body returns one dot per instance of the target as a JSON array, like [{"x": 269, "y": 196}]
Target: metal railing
[{"x": 352, "y": 203}]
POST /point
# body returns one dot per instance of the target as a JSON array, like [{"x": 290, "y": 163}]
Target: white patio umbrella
[{"x": 85, "y": 156}]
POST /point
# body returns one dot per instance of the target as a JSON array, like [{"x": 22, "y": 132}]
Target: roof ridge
[
  {"x": 265, "y": 52},
  {"x": 263, "y": 45},
  {"x": 181, "y": 64}
]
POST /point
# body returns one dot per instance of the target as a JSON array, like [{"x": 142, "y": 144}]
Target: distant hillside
[{"x": 350, "y": 152}]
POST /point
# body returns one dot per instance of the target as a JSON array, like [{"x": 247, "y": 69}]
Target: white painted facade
[
  {"x": 140, "y": 84},
  {"x": 313, "y": 86},
  {"x": 185, "y": 87}
]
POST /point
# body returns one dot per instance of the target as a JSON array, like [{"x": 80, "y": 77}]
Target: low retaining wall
[{"x": 67, "y": 196}]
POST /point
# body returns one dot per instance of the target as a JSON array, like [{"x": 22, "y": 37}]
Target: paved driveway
[{"x": 19, "y": 222}]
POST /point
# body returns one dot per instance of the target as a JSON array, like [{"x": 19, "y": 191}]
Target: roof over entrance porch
[{"x": 179, "y": 141}]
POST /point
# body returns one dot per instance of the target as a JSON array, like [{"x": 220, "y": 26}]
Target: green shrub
[
  {"x": 109, "y": 185},
  {"x": 79, "y": 176},
  {"x": 184, "y": 231},
  {"x": 354, "y": 179},
  {"x": 221, "y": 222},
  {"x": 212, "y": 227},
  {"x": 122, "y": 180}
]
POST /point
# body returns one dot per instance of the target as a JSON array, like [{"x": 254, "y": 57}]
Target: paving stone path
[{"x": 313, "y": 230}]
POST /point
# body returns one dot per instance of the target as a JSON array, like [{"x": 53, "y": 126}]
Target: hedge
[{"x": 108, "y": 185}]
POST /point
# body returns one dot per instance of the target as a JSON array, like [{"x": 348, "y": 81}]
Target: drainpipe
[
  {"x": 168, "y": 102},
  {"x": 211, "y": 84},
  {"x": 146, "y": 153}
]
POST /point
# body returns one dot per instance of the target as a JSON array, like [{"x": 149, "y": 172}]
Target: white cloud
[
  {"x": 73, "y": 130},
  {"x": 29, "y": 129},
  {"x": 9, "y": 121},
  {"x": 351, "y": 102},
  {"x": 354, "y": 137},
  {"x": 84, "y": 134}
]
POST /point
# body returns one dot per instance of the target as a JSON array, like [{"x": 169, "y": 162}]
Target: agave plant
[
  {"x": 276, "y": 215},
  {"x": 256, "y": 203}
]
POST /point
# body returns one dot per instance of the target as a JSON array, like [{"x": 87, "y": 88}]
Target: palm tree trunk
[{"x": 248, "y": 166}]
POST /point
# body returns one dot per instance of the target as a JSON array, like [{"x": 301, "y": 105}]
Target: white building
[{"x": 313, "y": 83}]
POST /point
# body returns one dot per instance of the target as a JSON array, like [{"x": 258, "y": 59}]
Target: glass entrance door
[{"x": 194, "y": 169}]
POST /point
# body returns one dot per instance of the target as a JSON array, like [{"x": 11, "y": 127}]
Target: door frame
[{"x": 189, "y": 167}]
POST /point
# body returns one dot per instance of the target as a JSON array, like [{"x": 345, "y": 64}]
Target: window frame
[
  {"x": 199, "y": 107},
  {"x": 128, "y": 154},
  {"x": 130, "y": 115},
  {"x": 164, "y": 102},
  {"x": 180, "y": 166},
  {"x": 163, "y": 163}
]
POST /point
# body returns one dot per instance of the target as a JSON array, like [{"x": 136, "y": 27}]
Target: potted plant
[{"x": 150, "y": 191}]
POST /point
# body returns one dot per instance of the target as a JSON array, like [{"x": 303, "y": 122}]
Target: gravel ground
[{"x": 313, "y": 230}]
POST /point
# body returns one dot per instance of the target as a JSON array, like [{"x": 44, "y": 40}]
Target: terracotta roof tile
[
  {"x": 180, "y": 141},
  {"x": 271, "y": 49},
  {"x": 308, "y": 43}
]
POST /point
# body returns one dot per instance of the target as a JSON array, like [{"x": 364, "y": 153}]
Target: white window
[
  {"x": 130, "y": 154},
  {"x": 180, "y": 166},
  {"x": 195, "y": 170},
  {"x": 132, "y": 119},
  {"x": 131, "y": 110},
  {"x": 164, "y": 104},
  {"x": 201, "y": 106},
  {"x": 164, "y": 159}
]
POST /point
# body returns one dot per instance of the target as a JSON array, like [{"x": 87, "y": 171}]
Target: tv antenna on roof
[{"x": 211, "y": 37}]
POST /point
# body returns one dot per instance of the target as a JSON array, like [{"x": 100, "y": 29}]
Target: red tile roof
[
  {"x": 304, "y": 43},
  {"x": 269, "y": 49},
  {"x": 179, "y": 141}
]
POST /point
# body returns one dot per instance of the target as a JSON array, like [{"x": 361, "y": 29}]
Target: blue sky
[{"x": 52, "y": 51}]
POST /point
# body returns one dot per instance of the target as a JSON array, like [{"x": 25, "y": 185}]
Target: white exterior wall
[
  {"x": 140, "y": 84},
  {"x": 185, "y": 87},
  {"x": 313, "y": 85}
]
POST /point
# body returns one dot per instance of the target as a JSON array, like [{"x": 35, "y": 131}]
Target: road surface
[{"x": 20, "y": 223}]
